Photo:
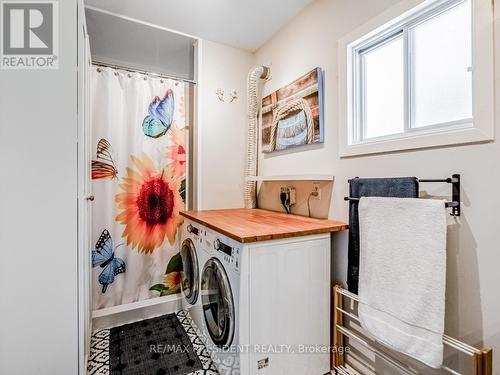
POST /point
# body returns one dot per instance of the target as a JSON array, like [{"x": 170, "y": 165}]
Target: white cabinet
[{"x": 285, "y": 302}]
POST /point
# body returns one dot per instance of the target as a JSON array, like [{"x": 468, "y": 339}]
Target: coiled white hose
[{"x": 254, "y": 76}]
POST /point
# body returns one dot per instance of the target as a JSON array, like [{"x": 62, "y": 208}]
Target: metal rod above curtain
[{"x": 147, "y": 73}]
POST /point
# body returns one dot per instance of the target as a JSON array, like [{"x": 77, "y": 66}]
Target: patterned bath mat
[
  {"x": 98, "y": 363},
  {"x": 157, "y": 346}
]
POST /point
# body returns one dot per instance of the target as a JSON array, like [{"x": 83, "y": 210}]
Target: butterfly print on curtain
[
  {"x": 160, "y": 116},
  {"x": 104, "y": 166},
  {"x": 104, "y": 256}
]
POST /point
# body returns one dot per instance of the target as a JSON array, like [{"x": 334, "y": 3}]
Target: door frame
[
  {"x": 84, "y": 149},
  {"x": 84, "y": 192}
]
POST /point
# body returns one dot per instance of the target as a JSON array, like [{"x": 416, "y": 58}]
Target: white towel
[{"x": 402, "y": 274}]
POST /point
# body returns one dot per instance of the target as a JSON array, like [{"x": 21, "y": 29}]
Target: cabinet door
[{"x": 289, "y": 297}]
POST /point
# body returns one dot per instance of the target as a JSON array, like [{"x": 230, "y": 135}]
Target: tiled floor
[{"x": 99, "y": 349}]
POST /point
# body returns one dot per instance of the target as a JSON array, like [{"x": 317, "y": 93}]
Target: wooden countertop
[{"x": 253, "y": 225}]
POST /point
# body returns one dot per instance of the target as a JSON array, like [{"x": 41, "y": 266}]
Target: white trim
[
  {"x": 145, "y": 23},
  {"x": 292, "y": 177},
  {"x": 198, "y": 116},
  {"x": 428, "y": 140},
  {"x": 483, "y": 62},
  {"x": 84, "y": 190},
  {"x": 131, "y": 312},
  {"x": 483, "y": 129}
]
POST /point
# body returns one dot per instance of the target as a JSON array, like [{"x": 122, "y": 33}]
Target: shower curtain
[{"x": 139, "y": 184}]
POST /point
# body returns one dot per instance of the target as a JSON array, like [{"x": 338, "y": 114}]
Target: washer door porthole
[
  {"x": 190, "y": 271},
  {"x": 218, "y": 304}
]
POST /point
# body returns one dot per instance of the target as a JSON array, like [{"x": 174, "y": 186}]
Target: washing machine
[
  {"x": 211, "y": 265},
  {"x": 191, "y": 242},
  {"x": 220, "y": 299}
]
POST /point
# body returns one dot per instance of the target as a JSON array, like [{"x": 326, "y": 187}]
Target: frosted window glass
[
  {"x": 383, "y": 87},
  {"x": 441, "y": 58}
]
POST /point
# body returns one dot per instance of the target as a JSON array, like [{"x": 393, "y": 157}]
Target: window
[
  {"x": 381, "y": 95},
  {"x": 441, "y": 68},
  {"x": 411, "y": 82}
]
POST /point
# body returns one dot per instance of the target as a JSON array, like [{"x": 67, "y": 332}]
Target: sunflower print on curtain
[{"x": 139, "y": 181}]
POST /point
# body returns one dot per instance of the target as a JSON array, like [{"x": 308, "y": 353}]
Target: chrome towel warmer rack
[
  {"x": 482, "y": 358},
  {"x": 454, "y": 180}
]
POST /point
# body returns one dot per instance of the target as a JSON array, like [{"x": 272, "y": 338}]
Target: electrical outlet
[
  {"x": 316, "y": 191},
  {"x": 291, "y": 196}
]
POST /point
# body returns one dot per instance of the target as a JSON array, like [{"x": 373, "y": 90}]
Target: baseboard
[{"x": 132, "y": 312}]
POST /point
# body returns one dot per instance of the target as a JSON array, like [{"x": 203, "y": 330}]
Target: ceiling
[{"x": 245, "y": 24}]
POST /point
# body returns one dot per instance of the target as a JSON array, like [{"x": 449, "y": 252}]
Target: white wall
[
  {"x": 473, "y": 303},
  {"x": 38, "y": 189},
  {"x": 38, "y": 194},
  {"x": 38, "y": 270},
  {"x": 222, "y": 126}
]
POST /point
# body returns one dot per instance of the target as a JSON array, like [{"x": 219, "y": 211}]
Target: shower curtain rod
[{"x": 150, "y": 74}]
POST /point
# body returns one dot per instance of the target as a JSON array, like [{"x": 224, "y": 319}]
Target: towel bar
[
  {"x": 446, "y": 204},
  {"x": 454, "y": 180},
  {"x": 482, "y": 358}
]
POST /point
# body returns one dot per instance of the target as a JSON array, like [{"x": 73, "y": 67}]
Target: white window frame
[{"x": 398, "y": 19}]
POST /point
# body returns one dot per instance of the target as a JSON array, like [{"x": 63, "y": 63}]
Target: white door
[
  {"x": 289, "y": 305},
  {"x": 190, "y": 278},
  {"x": 218, "y": 303}
]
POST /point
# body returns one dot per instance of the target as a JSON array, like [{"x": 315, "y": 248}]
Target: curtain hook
[
  {"x": 233, "y": 96},
  {"x": 220, "y": 94}
]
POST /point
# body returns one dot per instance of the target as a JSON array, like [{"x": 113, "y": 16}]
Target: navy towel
[{"x": 395, "y": 187}]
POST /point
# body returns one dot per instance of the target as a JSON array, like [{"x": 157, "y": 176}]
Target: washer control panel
[
  {"x": 228, "y": 252},
  {"x": 193, "y": 230},
  {"x": 214, "y": 244},
  {"x": 221, "y": 246}
]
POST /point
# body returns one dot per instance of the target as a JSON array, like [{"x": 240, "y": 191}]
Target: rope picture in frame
[{"x": 292, "y": 116}]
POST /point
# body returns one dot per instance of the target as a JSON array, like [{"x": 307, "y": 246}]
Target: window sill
[{"x": 415, "y": 141}]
